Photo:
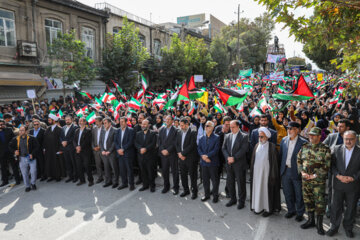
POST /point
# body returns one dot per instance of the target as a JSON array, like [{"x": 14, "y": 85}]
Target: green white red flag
[{"x": 91, "y": 118}]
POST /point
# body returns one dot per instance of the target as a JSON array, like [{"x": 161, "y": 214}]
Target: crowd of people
[{"x": 309, "y": 148}]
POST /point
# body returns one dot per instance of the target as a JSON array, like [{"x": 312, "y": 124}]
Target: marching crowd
[{"x": 310, "y": 148}]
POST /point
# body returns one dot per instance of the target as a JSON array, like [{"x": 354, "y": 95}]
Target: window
[
  {"x": 157, "y": 47},
  {"x": 116, "y": 30},
  {"x": 88, "y": 37},
  {"x": 142, "y": 40},
  {"x": 52, "y": 28},
  {"x": 7, "y": 28}
]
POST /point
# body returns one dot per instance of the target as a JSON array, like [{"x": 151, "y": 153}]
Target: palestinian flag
[
  {"x": 230, "y": 97},
  {"x": 133, "y": 103},
  {"x": 172, "y": 100},
  {"x": 144, "y": 83},
  {"x": 191, "y": 83},
  {"x": 85, "y": 94},
  {"x": 196, "y": 93},
  {"x": 262, "y": 104},
  {"x": 91, "y": 118},
  {"x": 60, "y": 114},
  {"x": 192, "y": 108},
  {"x": 117, "y": 86},
  {"x": 219, "y": 107},
  {"x": 302, "y": 92},
  {"x": 255, "y": 112},
  {"x": 183, "y": 94}
]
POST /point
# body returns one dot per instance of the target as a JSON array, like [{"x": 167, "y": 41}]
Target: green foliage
[
  {"x": 221, "y": 56},
  {"x": 334, "y": 24},
  {"x": 296, "y": 61},
  {"x": 320, "y": 55},
  {"x": 123, "y": 57},
  {"x": 68, "y": 60}
]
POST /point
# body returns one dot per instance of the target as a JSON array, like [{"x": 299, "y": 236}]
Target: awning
[{"x": 20, "y": 79}]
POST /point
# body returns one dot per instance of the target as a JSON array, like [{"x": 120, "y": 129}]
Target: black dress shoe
[
  {"x": 205, "y": 198},
  {"x": 165, "y": 190},
  {"x": 349, "y": 233},
  {"x": 74, "y": 180},
  {"x": 183, "y": 194},
  {"x": 99, "y": 180},
  {"x": 175, "y": 191},
  {"x": 50, "y": 179},
  {"x": 194, "y": 196},
  {"x": 90, "y": 184},
  {"x": 230, "y": 203},
  {"x": 4, "y": 184},
  {"x": 289, "y": 215},
  {"x": 215, "y": 199},
  {"x": 266, "y": 214},
  {"x": 27, "y": 189},
  {"x": 138, "y": 182},
  {"x": 143, "y": 189},
  {"x": 33, "y": 187},
  {"x": 68, "y": 180},
  {"x": 122, "y": 187},
  {"x": 331, "y": 232},
  {"x": 107, "y": 184},
  {"x": 115, "y": 185},
  {"x": 152, "y": 189},
  {"x": 132, "y": 188},
  {"x": 299, "y": 218},
  {"x": 80, "y": 183},
  {"x": 240, "y": 206}
]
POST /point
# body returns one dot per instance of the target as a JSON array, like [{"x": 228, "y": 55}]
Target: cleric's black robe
[
  {"x": 52, "y": 146},
  {"x": 274, "y": 180}
]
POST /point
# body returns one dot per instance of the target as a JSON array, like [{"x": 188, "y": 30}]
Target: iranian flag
[
  {"x": 262, "y": 104},
  {"x": 110, "y": 98},
  {"x": 133, "y": 103},
  {"x": 104, "y": 97},
  {"x": 60, "y": 114},
  {"x": 192, "y": 108},
  {"x": 172, "y": 100},
  {"x": 219, "y": 107},
  {"x": 162, "y": 95},
  {"x": 21, "y": 109},
  {"x": 196, "y": 93},
  {"x": 91, "y": 118},
  {"x": 139, "y": 94},
  {"x": 86, "y": 94},
  {"x": 117, "y": 86},
  {"x": 230, "y": 97},
  {"x": 255, "y": 112},
  {"x": 159, "y": 100},
  {"x": 240, "y": 107},
  {"x": 281, "y": 89},
  {"x": 334, "y": 100},
  {"x": 183, "y": 94},
  {"x": 79, "y": 113},
  {"x": 144, "y": 83},
  {"x": 97, "y": 103},
  {"x": 85, "y": 109}
]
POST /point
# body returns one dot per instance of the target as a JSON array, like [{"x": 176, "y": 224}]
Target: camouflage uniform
[{"x": 314, "y": 159}]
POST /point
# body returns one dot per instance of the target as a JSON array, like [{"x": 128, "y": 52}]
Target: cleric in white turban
[{"x": 265, "y": 176}]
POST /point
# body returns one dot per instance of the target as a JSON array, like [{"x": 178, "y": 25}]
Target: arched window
[
  {"x": 52, "y": 28},
  {"x": 88, "y": 37},
  {"x": 116, "y": 30},
  {"x": 7, "y": 28}
]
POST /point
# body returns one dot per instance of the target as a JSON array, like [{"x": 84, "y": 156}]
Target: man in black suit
[
  {"x": 145, "y": 144},
  {"x": 38, "y": 133},
  {"x": 346, "y": 184},
  {"x": 82, "y": 145},
  {"x": 124, "y": 145},
  {"x": 137, "y": 128},
  {"x": 67, "y": 138},
  {"x": 187, "y": 153},
  {"x": 167, "y": 151},
  {"x": 234, "y": 149},
  {"x": 6, "y": 157}
]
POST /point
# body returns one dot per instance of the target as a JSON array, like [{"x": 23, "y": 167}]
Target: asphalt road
[{"x": 66, "y": 211}]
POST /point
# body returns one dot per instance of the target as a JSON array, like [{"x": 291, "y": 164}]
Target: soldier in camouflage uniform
[{"x": 313, "y": 162}]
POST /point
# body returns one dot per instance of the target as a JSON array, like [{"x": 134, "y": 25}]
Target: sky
[{"x": 162, "y": 11}]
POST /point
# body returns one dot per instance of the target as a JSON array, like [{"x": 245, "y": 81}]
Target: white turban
[
  {"x": 266, "y": 131},
  {"x": 53, "y": 117}
]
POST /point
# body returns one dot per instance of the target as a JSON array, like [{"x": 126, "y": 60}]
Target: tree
[
  {"x": 123, "y": 57},
  {"x": 68, "y": 61},
  {"x": 296, "y": 61},
  {"x": 320, "y": 55},
  {"x": 334, "y": 23},
  {"x": 220, "y": 54}
]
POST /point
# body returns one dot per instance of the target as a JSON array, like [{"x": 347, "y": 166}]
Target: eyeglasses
[
  {"x": 208, "y": 126},
  {"x": 36, "y": 124}
]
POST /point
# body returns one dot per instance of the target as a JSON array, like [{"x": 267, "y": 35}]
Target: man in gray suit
[
  {"x": 234, "y": 148},
  {"x": 346, "y": 174},
  {"x": 95, "y": 145},
  {"x": 335, "y": 139},
  {"x": 108, "y": 154},
  {"x": 167, "y": 151}
]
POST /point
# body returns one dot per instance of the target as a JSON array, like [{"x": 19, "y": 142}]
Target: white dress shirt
[
  {"x": 52, "y": 127},
  {"x": 183, "y": 139},
  {"x": 290, "y": 151},
  {"x": 67, "y": 129},
  {"x": 98, "y": 136},
  {"x": 122, "y": 136},
  {"x": 348, "y": 154},
  {"x": 106, "y": 137},
  {"x": 80, "y": 132},
  {"x": 233, "y": 138}
]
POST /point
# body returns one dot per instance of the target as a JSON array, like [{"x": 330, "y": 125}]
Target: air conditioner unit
[{"x": 27, "y": 49}]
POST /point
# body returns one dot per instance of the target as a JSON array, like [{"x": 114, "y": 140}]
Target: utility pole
[{"x": 238, "y": 35}]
